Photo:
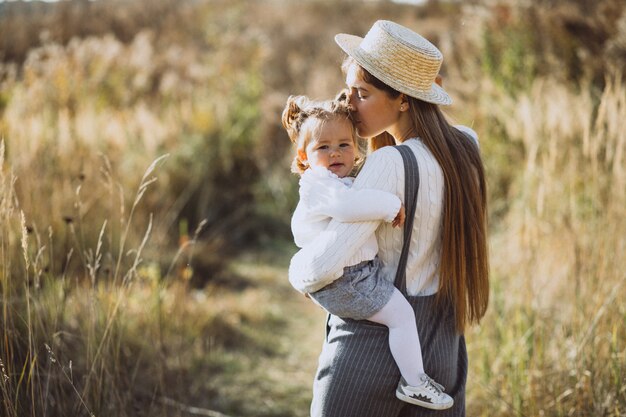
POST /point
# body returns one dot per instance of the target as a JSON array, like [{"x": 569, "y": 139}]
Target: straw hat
[{"x": 400, "y": 58}]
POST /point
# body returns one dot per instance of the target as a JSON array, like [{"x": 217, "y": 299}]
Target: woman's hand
[{"x": 399, "y": 220}]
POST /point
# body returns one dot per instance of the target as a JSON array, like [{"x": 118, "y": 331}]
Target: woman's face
[{"x": 374, "y": 111}]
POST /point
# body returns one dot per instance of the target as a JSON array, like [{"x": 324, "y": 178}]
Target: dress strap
[{"x": 411, "y": 186}]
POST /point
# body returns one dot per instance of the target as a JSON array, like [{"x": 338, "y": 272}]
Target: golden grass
[
  {"x": 554, "y": 339},
  {"x": 101, "y": 312},
  {"x": 140, "y": 343}
]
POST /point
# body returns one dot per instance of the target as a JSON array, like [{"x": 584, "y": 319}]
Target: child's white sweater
[{"x": 324, "y": 196}]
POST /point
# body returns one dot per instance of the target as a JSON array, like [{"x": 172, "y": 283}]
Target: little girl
[{"x": 326, "y": 152}]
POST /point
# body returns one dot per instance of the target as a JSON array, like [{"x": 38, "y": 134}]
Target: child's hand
[{"x": 399, "y": 220}]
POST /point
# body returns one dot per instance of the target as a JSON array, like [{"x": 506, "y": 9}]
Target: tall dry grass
[
  {"x": 100, "y": 266},
  {"x": 548, "y": 99},
  {"x": 45, "y": 316},
  {"x": 96, "y": 259},
  {"x": 91, "y": 114},
  {"x": 554, "y": 340},
  {"x": 142, "y": 342}
]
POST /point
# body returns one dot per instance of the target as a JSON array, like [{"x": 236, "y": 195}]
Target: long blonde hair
[{"x": 464, "y": 265}]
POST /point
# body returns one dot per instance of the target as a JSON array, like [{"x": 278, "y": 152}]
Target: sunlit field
[{"x": 145, "y": 200}]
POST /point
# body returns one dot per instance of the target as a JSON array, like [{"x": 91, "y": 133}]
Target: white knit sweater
[
  {"x": 322, "y": 261},
  {"x": 324, "y": 196}
]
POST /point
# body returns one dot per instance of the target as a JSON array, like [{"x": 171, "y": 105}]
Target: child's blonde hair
[{"x": 297, "y": 113}]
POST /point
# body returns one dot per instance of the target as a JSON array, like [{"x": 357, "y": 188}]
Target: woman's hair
[
  {"x": 464, "y": 265},
  {"x": 302, "y": 118}
]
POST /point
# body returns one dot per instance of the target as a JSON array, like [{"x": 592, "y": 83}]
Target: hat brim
[{"x": 351, "y": 46}]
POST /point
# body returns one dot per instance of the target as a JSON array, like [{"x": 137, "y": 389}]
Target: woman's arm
[{"x": 322, "y": 261}]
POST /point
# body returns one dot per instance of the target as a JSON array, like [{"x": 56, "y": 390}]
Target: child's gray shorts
[{"x": 358, "y": 294}]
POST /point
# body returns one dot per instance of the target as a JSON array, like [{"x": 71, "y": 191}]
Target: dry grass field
[{"x": 145, "y": 199}]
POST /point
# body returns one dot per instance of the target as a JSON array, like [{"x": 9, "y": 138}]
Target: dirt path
[{"x": 278, "y": 383}]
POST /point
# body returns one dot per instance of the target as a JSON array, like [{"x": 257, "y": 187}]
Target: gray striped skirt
[{"x": 357, "y": 376}]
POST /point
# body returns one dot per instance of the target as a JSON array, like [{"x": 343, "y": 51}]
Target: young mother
[{"x": 391, "y": 76}]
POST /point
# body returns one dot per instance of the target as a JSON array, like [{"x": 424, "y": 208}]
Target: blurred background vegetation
[{"x": 146, "y": 198}]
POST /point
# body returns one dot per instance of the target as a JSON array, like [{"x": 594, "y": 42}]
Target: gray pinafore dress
[{"x": 356, "y": 374}]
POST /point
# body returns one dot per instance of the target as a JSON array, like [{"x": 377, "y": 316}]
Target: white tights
[{"x": 404, "y": 341}]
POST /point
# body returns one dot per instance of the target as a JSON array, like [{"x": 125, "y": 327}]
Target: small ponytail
[{"x": 293, "y": 116}]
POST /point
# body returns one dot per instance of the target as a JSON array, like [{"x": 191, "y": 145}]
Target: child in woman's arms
[{"x": 326, "y": 153}]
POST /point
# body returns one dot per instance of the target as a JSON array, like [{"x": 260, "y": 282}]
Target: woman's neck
[
  {"x": 402, "y": 135},
  {"x": 403, "y": 129}
]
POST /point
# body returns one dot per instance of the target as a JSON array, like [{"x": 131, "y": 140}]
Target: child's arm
[
  {"x": 328, "y": 196},
  {"x": 305, "y": 225}
]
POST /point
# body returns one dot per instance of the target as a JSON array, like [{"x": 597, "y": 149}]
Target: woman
[{"x": 391, "y": 76}]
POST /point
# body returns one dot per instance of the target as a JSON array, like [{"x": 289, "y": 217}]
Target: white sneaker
[{"x": 429, "y": 395}]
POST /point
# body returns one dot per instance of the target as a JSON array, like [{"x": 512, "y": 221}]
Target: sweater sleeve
[
  {"x": 322, "y": 261},
  {"x": 301, "y": 226},
  {"x": 330, "y": 197}
]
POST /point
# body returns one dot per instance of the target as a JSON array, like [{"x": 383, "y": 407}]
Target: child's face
[{"x": 333, "y": 148}]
